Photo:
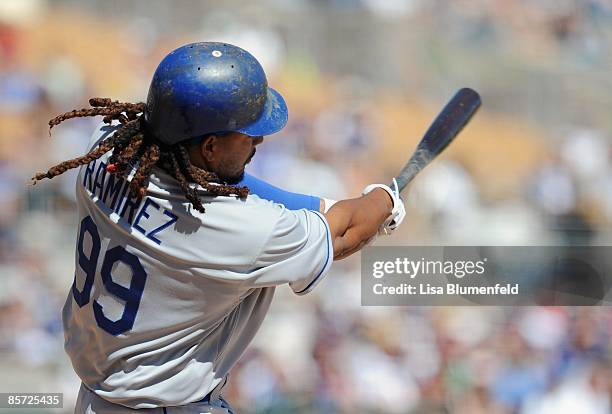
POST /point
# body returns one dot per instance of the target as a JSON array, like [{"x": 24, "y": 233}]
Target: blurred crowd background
[{"x": 363, "y": 79}]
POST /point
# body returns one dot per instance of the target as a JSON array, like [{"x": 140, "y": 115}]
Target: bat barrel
[{"x": 447, "y": 125}]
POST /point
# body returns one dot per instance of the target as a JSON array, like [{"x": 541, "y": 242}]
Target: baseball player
[{"x": 176, "y": 264}]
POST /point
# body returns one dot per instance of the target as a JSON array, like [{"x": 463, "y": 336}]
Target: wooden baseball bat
[{"x": 447, "y": 125}]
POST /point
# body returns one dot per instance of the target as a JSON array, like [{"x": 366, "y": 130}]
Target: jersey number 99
[{"x": 131, "y": 296}]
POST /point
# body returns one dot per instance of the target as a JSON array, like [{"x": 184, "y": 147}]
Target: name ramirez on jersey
[{"x": 114, "y": 193}]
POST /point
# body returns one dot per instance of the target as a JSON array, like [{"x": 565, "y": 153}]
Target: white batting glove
[{"x": 397, "y": 213}]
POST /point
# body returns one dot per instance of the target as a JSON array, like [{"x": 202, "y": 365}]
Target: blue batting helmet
[{"x": 207, "y": 87}]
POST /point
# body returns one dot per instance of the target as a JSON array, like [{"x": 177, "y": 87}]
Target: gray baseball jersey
[{"x": 166, "y": 299}]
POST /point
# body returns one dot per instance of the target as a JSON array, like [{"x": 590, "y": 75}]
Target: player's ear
[{"x": 208, "y": 146}]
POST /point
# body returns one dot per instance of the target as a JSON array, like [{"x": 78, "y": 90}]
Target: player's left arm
[
  {"x": 291, "y": 200},
  {"x": 354, "y": 223}
]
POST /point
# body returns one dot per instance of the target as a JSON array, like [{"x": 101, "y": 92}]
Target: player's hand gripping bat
[{"x": 447, "y": 125}]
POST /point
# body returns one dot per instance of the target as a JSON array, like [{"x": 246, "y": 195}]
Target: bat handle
[{"x": 406, "y": 176}]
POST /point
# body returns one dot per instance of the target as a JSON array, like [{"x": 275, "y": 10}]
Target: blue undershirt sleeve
[{"x": 291, "y": 201}]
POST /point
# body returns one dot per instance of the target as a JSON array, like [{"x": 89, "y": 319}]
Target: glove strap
[{"x": 393, "y": 192}]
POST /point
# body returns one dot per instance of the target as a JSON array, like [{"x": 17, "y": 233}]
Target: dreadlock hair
[{"x": 134, "y": 147}]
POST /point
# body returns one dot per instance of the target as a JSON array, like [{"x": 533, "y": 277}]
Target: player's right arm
[{"x": 355, "y": 221}]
